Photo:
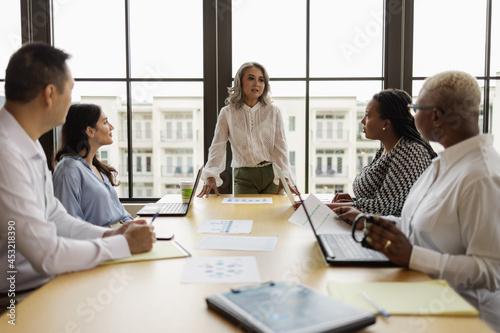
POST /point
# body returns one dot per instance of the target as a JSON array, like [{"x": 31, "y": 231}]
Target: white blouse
[
  {"x": 47, "y": 240},
  {"x": 256, "y": 134},
  {"x": 451, "y": 217}
]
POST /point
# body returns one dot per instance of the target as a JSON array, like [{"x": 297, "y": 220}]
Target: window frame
[{"x": 217, "y": 63}]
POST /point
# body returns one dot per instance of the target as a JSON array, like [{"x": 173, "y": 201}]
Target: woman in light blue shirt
[{"x": 83, "y": 183}]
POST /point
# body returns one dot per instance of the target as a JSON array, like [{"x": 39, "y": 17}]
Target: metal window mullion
[
  {"x": 307, "y": 105},
  {"x": 129, "y": 101},
  {"x": 487, "y": 68}
]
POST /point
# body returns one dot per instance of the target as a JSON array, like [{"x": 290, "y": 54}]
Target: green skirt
[{"x": 257, "y": 180}]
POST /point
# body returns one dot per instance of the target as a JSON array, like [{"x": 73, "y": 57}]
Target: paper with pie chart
[{"x": 242, "y": 269}]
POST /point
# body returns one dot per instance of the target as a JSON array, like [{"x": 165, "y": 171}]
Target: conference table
[{"x": 148, "y": 296}]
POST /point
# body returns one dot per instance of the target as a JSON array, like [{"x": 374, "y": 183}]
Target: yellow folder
[
  {"x": 161, "y": 250},
  {"x": 433, "y": 297}
]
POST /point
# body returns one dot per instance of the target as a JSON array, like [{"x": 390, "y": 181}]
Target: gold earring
[{"x": 383, "y": 128}]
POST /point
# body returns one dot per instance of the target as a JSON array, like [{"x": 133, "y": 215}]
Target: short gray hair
[
  {"x": 456, "y": 90},
  {"x": 236, "y": 92}
]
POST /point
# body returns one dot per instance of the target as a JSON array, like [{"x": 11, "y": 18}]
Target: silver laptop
[
  {"x": 170, "y": 208},
  {"x": 288, "y": 191},
  {"x": 340, "y": 249}
]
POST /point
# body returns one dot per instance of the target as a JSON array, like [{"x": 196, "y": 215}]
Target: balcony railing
[
  {"x": 333, "y": 135},
  {"x": 177, "y": 171},
  {"x": 327, "y": 173},
  {"x": 137, "y": 136},
  {"x": 175, "y": 137}
]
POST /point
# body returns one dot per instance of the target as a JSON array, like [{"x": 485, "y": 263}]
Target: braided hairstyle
[
  {"x": 74, "y": 137},
  {"x": 393, "y": 105}
]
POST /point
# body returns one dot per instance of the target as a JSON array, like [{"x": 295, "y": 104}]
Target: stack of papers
[{"x": 433, "y": 297}]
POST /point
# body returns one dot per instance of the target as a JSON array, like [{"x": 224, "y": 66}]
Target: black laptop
[
  {"x": 340, "y": 249},
  {"x": 170, "y": 208}
]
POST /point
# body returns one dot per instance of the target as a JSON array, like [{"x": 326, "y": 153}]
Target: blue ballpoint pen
[
  {"x": 154, "y": 217},
  {"x": 375, "y": 305},
  {"x": 165, "y": 236}
]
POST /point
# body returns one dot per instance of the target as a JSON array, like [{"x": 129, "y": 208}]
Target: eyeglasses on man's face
[{"x": 413, "y": 108}]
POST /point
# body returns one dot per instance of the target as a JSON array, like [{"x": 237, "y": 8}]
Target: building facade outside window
[{"x": 156, "y": 100}]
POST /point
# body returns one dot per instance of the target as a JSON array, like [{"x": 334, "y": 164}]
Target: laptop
[
  {"x": 288, "y": 191},
  {"x": 170, "y": 208},
  {"x": 340, "y": 249}
]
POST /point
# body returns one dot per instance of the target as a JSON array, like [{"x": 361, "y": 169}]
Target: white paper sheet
[
  {"x": 256, "y": 200},
  {"x": 220, "y": 270},
  {"x": 321, "y": 216},
  {"x": 226, "y": 227},
  {"x": 238, "y": 243}
]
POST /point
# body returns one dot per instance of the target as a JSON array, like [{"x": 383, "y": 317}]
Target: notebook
[
  {"x": 339, "y": 249},
  {"x": 170, "y": 208},
  {"x": 287, "y": 307},
  {"x": 161, "y": 250},
  {"x": 434, "y": 297}
]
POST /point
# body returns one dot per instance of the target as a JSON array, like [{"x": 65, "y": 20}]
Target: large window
[
  {"x": 461, "y": 41},
  {"x": 147, "y": 76},
  {"x": 10, "y": 37},
  {"x": 321, "y": 79},
  {"x": 160, "y": 69}
]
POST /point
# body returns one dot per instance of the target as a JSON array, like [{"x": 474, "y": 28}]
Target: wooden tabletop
[{"x": 148, "y": 296}]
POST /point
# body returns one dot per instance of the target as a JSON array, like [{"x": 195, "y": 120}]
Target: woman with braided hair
[{"x": 382, "y": 186}]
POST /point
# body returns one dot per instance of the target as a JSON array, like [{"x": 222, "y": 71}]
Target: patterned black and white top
[{"x": 382, "y": 186}]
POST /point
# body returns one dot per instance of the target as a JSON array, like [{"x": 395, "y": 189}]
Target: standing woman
[
  {"x": 382, "y": 186},
  {"x": 254, "y": 127},
  {"x": 84, "y": 184}
]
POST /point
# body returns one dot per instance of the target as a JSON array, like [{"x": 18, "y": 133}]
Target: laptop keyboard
[
  {"x": 343, "y": 246},
  {"x": 177, "y": 207}
]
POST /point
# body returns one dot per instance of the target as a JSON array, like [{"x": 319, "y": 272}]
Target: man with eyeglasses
[{"x": 449, "y": 225}]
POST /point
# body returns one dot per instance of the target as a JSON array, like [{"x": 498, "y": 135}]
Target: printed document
[
  {"x": 225, "y": 227},
  {"x": 321, "y": 215},
  {"x": 220, "y": 270},
  {"x": 238, "y": 243}
]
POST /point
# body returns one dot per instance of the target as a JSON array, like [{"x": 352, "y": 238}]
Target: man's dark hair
[{"x": 32, "y": 68}]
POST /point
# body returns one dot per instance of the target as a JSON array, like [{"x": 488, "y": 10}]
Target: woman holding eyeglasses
[
  {"x": 449, "y": 225},
  {"x": 382, "y": 186}
]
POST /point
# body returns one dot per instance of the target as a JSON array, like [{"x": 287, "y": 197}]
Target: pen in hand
[
  {"x": 154, "y": 217},
  {"x": 375, "y": 305}
]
